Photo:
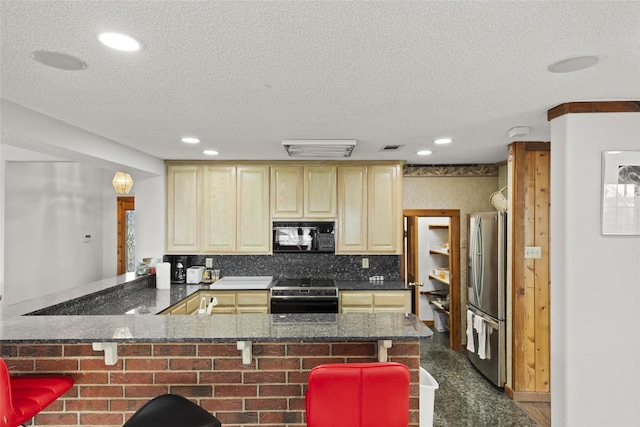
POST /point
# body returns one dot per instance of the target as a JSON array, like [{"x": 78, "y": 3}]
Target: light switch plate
[
  {"x": 365, "y": 262},
  {"x": 532, "y": 252}
]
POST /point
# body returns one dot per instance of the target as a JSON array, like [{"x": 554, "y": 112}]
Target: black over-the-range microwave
[{"x": 304, "y": 237}]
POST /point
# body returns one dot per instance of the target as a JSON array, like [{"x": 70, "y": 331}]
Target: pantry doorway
[{"x": 410, "y": 267}]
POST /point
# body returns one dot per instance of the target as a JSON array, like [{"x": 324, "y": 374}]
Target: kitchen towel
[
  {"x": 163, "y": 275},
  {"x": 470, "y": 345},
  {"x": 481, "y": 329}
]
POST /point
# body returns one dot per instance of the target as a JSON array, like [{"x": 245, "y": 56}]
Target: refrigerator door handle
[
  {"x": 478, "y": 261},
  {"x": 488, "y": 320}
]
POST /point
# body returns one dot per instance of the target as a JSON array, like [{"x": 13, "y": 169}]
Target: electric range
[{"x": 304, "y": 295}]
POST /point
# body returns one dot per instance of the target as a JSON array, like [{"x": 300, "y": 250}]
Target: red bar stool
[
  {"x": 358, "y": 395},
  {"x": 23, "y": 397}
]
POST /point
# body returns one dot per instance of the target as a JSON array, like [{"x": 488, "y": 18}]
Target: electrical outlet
[
  {"x": 532, "y": 252},
  {"x": 365, "y": 262},
  {"x": 208, "y": 262}
]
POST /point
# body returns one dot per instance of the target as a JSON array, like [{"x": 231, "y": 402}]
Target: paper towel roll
[{"x": 163, "y": 275}]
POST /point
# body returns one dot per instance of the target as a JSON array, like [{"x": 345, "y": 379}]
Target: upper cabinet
[
  {"x": 286, "y": 191},
  {"x": 369, "y": 209},
  {"x": 218, "y": 209},
  {"x": 351, "y": 224},
  {"x": 303, "y": 192},
  {"x": 227, "y": 208},
  {"x": 183, "y": 208},
  {"x": 254, "y": 226},
  {"x": 384, "y": 188}
]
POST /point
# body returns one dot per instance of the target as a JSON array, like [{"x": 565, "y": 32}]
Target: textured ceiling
[{"x": 242, "y": 76}]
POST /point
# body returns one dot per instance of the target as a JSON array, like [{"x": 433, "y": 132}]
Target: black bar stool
[{"x": 171, "y": 410}]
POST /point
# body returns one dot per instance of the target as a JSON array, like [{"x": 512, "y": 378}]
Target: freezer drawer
[{"x": 494, "y": 366}]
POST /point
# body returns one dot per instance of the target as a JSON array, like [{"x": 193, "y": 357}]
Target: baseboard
[{"x": 527, "y": 396}]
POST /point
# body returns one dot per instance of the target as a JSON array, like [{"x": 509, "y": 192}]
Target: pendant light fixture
[{"x": 122, "y": 182}]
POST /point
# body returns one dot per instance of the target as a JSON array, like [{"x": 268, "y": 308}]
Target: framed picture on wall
[{"x": 621, "y": 193}]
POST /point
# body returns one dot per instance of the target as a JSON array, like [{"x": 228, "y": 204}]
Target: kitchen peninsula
[{"x": 247, "y": 369}]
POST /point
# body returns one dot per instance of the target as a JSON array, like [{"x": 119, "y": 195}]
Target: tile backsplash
[{"x": 326, "y": 266}]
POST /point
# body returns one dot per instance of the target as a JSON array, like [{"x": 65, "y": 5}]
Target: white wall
[
  {"x": 51, "y": 206},
  {"x": 1, "y": 228},
  {"x": 86, "y": 164},
  {"x": 595, "y": 280},
  {"x": 150, "y": 218}
]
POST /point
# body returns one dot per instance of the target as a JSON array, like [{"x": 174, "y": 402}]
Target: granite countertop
[
  {"x": 213, "y": 328},
  {"x": 121, "y": 310}
]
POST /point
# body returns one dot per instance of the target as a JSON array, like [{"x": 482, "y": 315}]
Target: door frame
[
  {"x": 124, "y": 204},
  {"x": 455, "y": 307}
]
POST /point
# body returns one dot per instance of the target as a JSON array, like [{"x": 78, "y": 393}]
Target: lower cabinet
[
  {"x": 229, "y": 302},
  {"x": 241, "y": 302},
  {"x": 375, "y": 301}
]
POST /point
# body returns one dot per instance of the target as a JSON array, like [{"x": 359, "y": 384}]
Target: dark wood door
[{"x": 124, "y": 204}]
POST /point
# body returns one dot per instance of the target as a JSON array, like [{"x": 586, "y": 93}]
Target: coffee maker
[{"x": 178, "y": 271}]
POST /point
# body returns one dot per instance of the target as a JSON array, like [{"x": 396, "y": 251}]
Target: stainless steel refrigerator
[{"x": 486, "y": 294}]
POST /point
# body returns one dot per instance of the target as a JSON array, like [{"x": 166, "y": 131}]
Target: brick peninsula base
[{"x": 267, "y": 392}]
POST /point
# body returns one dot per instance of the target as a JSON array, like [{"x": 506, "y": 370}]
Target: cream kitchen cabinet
[
  {"x": 218, "y": 209},
  {"x": 307, "y": 192},
  {"x": 184, "y": 209},
  {"x": 369, "y": 209},
  {"x": 387, "y": 301},
  {"x": 229, "y": 302},
  {"x": 252, "y": 210}
]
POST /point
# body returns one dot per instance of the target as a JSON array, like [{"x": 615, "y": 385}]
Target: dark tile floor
[{"x": 465, "y": 397}]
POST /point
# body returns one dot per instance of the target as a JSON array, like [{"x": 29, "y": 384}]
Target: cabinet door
[
  {"x": 183, "y": 209},
  {"x": 253, "y": 299},
  {"x": 320, "y": 191},
  {"x": 219, "y": 231},
  {"x": 356, "y": 302},
  {"x": 351, "y": 227},
  {"x": 253, "y": 228},
  {"x": 385, "y": 209},
  {"x": 181, "y": 308},
  {"x": 286, "y": 192},
  {"x": 392, "y": 302},
  {"x": 253, "y": 302}
]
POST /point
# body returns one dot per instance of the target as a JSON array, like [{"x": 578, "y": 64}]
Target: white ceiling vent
[
  {"x": 391, "y": 147},
  {"x": 319, "y": 147}
]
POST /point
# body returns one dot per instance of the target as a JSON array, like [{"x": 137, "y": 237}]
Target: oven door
[{"x": 304, "y": 305}]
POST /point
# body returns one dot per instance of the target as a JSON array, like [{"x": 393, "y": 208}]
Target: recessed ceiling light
[
  {"x": 190, "y": 140},
  {"x": 570, "y": 65},
  {"x": 424, "y": 152},
  {"x": 59, "y": 60},
  {"x": 211, "y": 152},
  {"x": 442, "y": 140},
  {"x": 120, "y": 42}
]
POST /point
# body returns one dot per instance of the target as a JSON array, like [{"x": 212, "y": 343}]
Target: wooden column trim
[{"x": 593, "y": 107}]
